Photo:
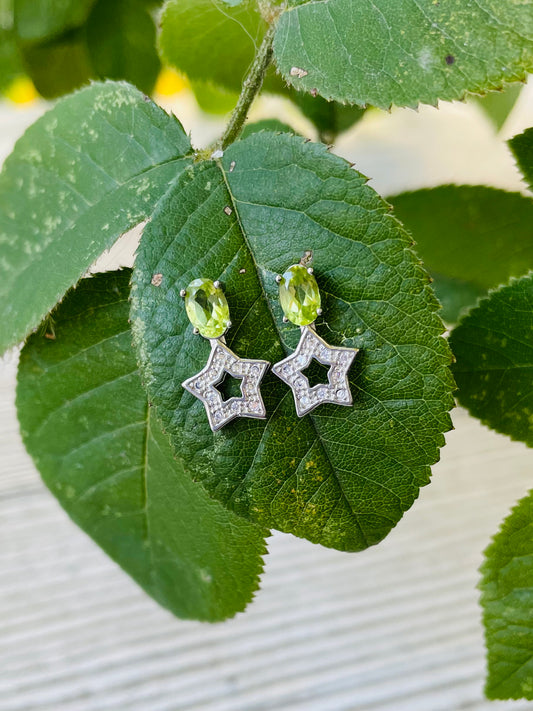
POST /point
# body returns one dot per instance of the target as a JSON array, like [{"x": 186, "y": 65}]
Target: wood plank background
[{"x": 396, "y": 628}]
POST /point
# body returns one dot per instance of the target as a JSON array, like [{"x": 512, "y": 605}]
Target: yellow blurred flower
[
  {"x": 170, "y": 82},
  {"x": 21, "y": 91}
]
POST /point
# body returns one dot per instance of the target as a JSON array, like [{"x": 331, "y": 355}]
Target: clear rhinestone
[
  {"x": 337, "y": 375},
  {"x": 235, "y": 369},
  {"x": 342, "y": 394},
  {"x": 322, "y": 393}
]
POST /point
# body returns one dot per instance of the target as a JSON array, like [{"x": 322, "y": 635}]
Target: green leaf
[
  {"x": 343, "y": 476},
  {"x": 10, "y": 60},
  {"x": 498, "y": 105},
  {"x": 37, "y": 20},
  {"x": 273, "y": 125},
  {"x": 211, "y": 40},
  {"x": 214, "y": 41},
  {"x": 455, "y": 295},
  {"x": 385, "y": 52},
  {"x": 59, "y": 66},
  {"x": 6, "y": 14},
  {"x": 213, "y": 99},
  {"x": 507, "y": 599},
  {"x": 522, "y": 147},
  {"x": 232, "y": 32},
  {"x": 329, "y": 117},
  {"x": 121, "y": 41},
  {"x": 471, "y": 239},
  {"x": 493, "y": 347},
  {"x": 87, "y": 171},
  {"x": 86, "y": 422}
]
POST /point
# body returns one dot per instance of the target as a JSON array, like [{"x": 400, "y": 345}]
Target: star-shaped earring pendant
[
  {"x": 336, "y": 390},
  {"x": 203, "y": 386}
]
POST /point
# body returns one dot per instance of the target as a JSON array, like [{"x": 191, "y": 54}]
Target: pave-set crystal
[
  {"x": 203, "y": 386},
  {"x": 336, "y": 390}
]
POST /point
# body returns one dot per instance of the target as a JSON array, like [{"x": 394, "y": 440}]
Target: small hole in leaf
[
  {"x": 316, "y": 373},
  {"x": 229, "y": 387}
]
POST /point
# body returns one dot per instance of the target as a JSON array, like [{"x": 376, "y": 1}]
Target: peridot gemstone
[
  {"x": 299, "y": 295},
  {"x": 207, "y": 308}
]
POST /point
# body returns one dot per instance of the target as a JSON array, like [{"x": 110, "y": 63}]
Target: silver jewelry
[
  {"x": 335, "y": 391},
  {"x": 221, "y": 361},
  {"x": 300, "y": 305}
]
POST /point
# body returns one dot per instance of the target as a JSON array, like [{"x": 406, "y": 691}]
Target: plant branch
[{"x": 250, "y": 88}]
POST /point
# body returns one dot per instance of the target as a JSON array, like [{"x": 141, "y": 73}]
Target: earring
[
  {"x": 208, "y": 312},
  {"x": 300, "y": 300}
]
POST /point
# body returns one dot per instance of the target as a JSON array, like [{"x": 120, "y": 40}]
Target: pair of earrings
[{"x": 208, "y": 312}]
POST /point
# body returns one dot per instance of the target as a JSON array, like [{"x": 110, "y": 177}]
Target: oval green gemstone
[
  {"x": 299, "y": 295},
  {"x": 207, "y": 308}
]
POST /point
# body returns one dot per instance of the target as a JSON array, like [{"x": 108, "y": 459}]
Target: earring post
[{"x": 307, "y": 258}]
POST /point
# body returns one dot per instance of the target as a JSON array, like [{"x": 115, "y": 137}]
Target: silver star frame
[
  {"x": 203, "y": 386},
  {"x": 335, "y": 391}
]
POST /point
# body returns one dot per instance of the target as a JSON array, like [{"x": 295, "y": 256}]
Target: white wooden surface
[{"x": 396, "y": 628}]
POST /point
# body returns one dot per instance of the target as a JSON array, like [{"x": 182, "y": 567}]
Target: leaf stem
[{"x": 250, "y": 88}]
